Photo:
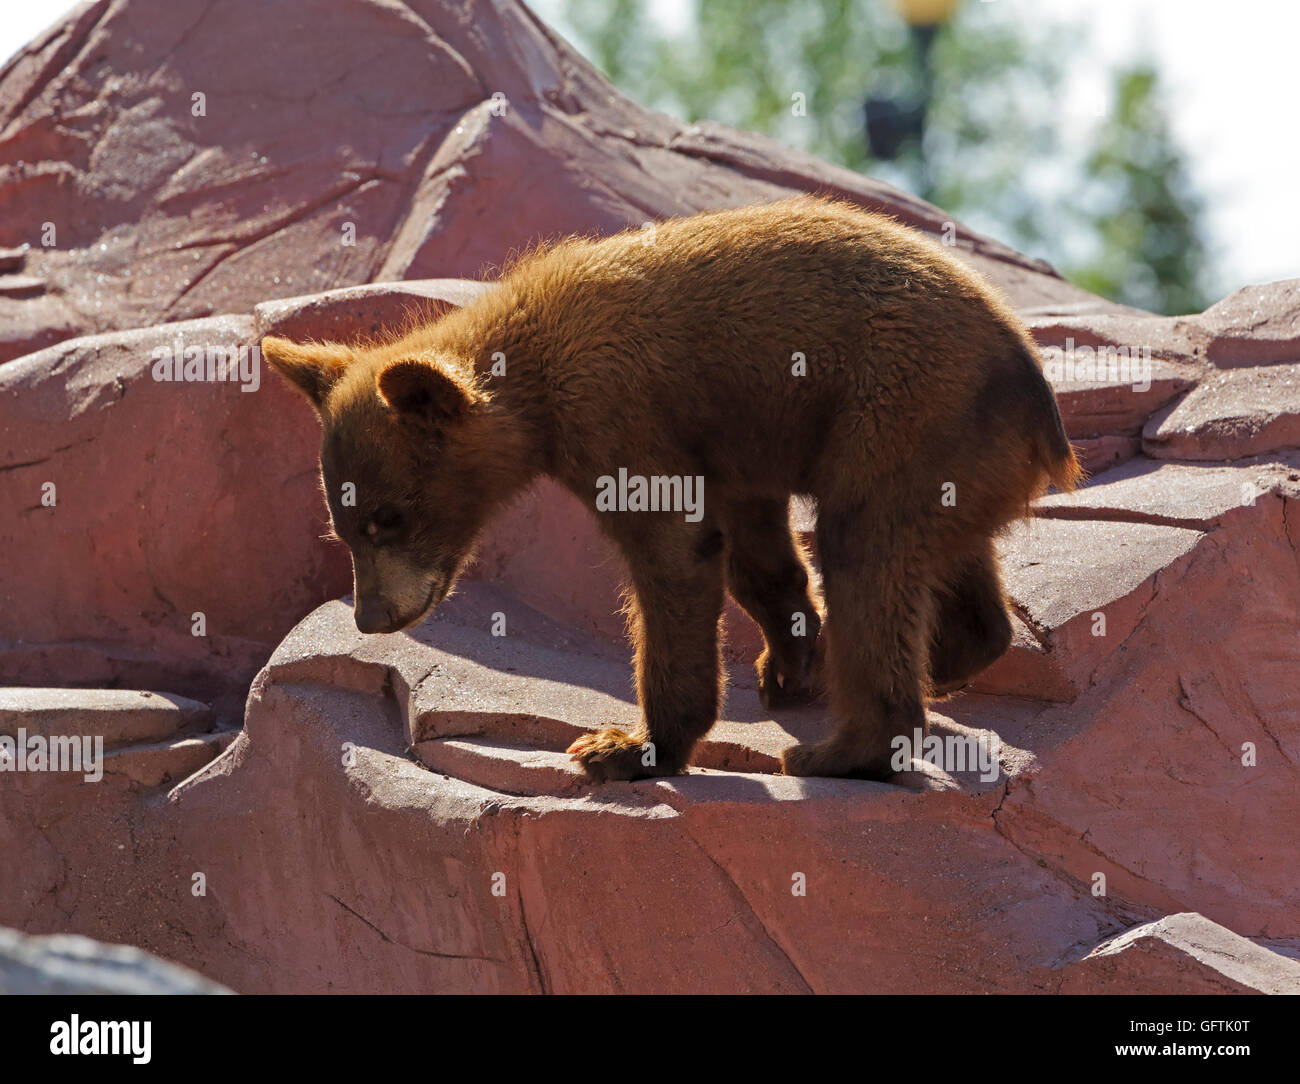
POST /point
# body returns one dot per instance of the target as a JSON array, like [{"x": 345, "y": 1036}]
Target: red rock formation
[{"x": 396, "y": 813}]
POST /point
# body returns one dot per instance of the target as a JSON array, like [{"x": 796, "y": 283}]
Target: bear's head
[{"x": 410, "y": 466}]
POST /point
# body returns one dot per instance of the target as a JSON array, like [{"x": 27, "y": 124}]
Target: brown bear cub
[{"x": 685, "y": 382}]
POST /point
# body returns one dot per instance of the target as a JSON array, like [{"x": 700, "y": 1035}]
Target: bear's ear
[
  {"x": 312, "y": 368},
  {"x": 425, "y": 390}
]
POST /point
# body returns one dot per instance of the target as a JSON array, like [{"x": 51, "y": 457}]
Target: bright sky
[{"x": 1230, "y": 72}]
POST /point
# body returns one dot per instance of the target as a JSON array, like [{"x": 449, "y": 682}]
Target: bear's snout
[{"x": 372, "y": 617}]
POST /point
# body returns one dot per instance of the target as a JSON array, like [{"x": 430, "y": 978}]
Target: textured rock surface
[
  {"x": 397, "y": 812},
  {"x": 146, "y": 738},
  {"x": 138, "y": 503},
  {"x": 429, "y": 835},
  {"x": 433, "y": 140},
  {"x": 120, "y": 716},
  {"x": 356, "y": 312},
  {"x": 1256, "y": 325},
  {"x": 1242, "y": 412},
  {"x": 1187, "y": 952}
]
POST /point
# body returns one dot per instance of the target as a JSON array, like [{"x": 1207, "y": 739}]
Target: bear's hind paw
[{"x": 827, "y": 758}]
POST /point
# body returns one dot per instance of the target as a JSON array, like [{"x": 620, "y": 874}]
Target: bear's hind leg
[
  {"x": 768, "y": 577},
  {"x": 878, "y": 582},
  {"x": 971, "y": 628}
]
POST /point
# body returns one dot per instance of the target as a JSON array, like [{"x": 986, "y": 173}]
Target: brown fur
[{"x": 675, "y": 358}]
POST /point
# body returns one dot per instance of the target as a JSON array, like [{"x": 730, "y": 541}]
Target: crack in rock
[{"x": 411, "y": 948}]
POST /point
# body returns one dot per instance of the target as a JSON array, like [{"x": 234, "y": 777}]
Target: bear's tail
[{"x": 1052, "y": 451}]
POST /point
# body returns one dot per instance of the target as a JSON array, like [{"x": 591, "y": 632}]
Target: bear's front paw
[{"x": 610, "y": 754}]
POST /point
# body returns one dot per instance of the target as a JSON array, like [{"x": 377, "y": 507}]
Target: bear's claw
[{"x": 778, "y": 690}]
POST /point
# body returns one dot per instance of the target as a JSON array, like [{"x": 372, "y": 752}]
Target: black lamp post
[{"x": 891, "y": 122}]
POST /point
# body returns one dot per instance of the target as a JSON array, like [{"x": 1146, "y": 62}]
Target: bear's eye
[{"x": 386, "y": 522}]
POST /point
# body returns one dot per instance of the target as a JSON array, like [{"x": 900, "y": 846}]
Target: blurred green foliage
[
  {"x": 1117, "y": 214},
  {"x": 1141, "y": 204}
]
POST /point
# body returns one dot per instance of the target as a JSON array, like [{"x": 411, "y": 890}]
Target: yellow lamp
[{"x": 926, "y": 12}]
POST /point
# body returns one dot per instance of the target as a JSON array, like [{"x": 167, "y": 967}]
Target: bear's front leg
[
  {"x": 611, "y": 754},
  {"x": 677, "y": 577}
]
